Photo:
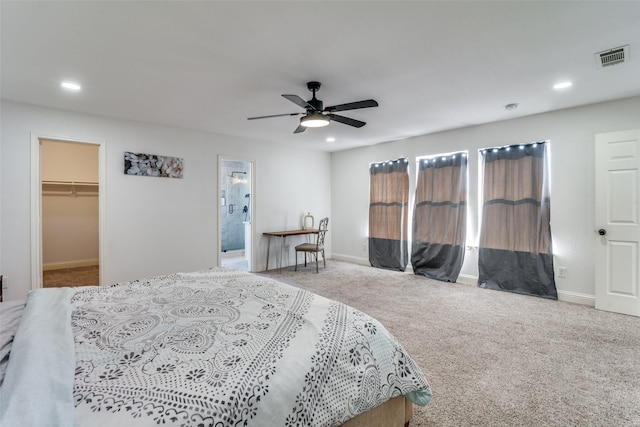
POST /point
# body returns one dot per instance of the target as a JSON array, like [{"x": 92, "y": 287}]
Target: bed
[{"x": 212, "y": 348}]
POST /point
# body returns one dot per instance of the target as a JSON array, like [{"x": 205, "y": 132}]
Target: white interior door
[{"x": 618, "y": 222}]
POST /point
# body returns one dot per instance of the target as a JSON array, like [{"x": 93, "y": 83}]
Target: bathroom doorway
[{"x": 235, "y": 185}]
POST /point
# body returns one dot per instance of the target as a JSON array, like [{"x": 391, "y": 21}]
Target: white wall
[
  {"x": 571, "y": 133},
  {"x": 69, "y": 231},
  {"x": 154, "y": 225}
]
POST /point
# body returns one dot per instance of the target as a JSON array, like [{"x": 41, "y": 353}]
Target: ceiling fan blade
[
  {"x": 353, "y": 105},
  {"x": 347, "y": 120},
  {"x": 299, "y": 101},
  {"x": 273, "y": 115},
  {"x": 300, "y": 129}
]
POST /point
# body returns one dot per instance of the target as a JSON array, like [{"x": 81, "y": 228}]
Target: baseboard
[
  {"x": 70, "y": 264},
  {"x": 577, "y": 298},
  {"x": 352, "y": 259}
]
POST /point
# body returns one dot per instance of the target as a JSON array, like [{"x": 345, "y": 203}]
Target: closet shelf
[{"x": 69, "y": 188}]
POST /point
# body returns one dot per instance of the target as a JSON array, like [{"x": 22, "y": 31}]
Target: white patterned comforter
[{"x": 213, "y": 348}]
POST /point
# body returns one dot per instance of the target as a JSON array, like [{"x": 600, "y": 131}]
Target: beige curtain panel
[{"x": 514, "y": 194}]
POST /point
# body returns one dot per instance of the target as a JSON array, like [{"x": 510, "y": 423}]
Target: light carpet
[{"x": 496, "y": 358}]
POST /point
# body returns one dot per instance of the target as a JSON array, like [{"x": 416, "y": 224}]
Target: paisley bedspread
[{"x": 228, "y": 348}]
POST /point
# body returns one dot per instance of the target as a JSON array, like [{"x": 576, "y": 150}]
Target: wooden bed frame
[{"x": 396, "y": 412}]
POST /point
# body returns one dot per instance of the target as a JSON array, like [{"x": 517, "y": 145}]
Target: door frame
[
  {"x": 252, "y": 209},
  {"x": 36, "y": 203}
]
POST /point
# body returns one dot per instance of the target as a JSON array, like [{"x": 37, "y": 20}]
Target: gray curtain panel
[
  {"x": 515, "y": 252},
  {"x": 388, "y": 210},
  {"x": 439, "y": 217}
]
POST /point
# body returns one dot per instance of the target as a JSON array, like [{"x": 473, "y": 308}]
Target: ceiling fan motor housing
[{"x": 314, "y": 102}]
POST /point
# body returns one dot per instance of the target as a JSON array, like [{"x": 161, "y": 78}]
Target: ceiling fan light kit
[
  {"x": 318, "y": 116},
  {"x": 314, "y": 120}
]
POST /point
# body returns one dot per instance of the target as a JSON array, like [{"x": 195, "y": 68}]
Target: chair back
[{"x": 322, "y": 230}]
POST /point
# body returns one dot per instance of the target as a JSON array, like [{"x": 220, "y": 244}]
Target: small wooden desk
[{"x": 283, "y": 235}]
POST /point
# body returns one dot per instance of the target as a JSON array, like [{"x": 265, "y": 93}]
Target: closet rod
[{"x": 82, "y": 183}]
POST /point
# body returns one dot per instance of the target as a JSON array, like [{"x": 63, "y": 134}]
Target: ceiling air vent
[{"x": 614, "y": 56}]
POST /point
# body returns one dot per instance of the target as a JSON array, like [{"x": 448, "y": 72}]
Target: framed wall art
[{"x": 152, "y": 165}]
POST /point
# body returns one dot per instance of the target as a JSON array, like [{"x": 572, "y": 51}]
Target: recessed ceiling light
[
  {"x": 69, "y": 85},
  {"x": 562, "y": 85},
  {"x": 331, "y": 139}
]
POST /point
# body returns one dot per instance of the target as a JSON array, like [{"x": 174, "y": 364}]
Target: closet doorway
[
  {"x": 67, "y": 204},
  {"x": 235, "y": 214}
]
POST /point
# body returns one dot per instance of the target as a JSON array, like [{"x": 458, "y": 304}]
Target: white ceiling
[{"x": 209, "y": 65}]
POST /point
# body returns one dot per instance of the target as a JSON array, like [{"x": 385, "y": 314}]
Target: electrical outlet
[
  {"x": 5, "y": 282},
  {"x": 562, "y": 272}
]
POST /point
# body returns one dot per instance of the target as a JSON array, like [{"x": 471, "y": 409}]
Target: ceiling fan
[{"x": 318, "y": 116}]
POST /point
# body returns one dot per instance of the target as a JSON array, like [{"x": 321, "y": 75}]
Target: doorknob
[{"x": 602, "y": 232}]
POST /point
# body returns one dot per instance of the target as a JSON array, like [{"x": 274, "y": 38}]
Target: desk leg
[
  {"x": 268, "y": 247},
  {"x": 281, "y": 253}
]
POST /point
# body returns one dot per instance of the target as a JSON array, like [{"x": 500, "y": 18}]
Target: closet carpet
[{"x": 79, "y": 276}]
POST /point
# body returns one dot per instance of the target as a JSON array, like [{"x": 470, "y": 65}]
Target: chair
[{"x": 314, "y": 248}]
